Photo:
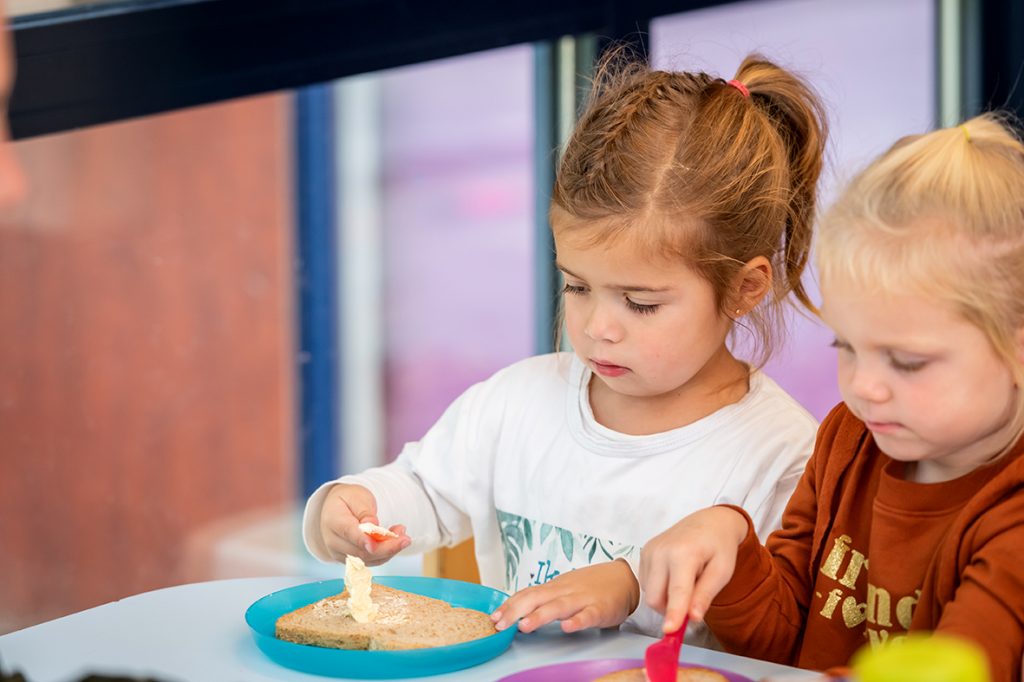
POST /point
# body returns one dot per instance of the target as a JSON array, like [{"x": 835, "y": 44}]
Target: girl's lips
[
  {"x": 608, "y": 370},
  {"x": 882, "y": 427}
]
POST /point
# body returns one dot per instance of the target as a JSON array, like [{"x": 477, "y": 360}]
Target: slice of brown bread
[
  {"x": 404, "y": 621},
  {"x": 682, "y": 675}
]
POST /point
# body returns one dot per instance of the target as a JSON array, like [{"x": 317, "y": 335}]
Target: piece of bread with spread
[
  {"x": 403, "y": 621},
  {"x": 380, "y": 618}
]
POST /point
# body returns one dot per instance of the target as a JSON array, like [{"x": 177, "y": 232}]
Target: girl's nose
[
  {"x": 602, "y": 325},
  {"x": 868, "y": 385}
]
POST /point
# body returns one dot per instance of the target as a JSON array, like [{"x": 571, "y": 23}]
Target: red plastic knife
[{"x": 661, "y": 660}]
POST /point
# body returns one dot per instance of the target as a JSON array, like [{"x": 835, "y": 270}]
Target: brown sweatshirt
[{"x": 864, "y": 556}]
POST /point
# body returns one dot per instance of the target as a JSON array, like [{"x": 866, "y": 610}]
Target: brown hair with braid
[{"x": 689, "y": 167}]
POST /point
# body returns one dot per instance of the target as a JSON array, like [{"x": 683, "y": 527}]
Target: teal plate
[{"x": 263, "y": 614}]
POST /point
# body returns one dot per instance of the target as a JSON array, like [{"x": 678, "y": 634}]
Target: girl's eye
[
  {"x": 906, "y": 365},
  {"x": 840, "y": 345},
  {"x": 641, "y": 308},
  {"x": 572, "y": 289}
]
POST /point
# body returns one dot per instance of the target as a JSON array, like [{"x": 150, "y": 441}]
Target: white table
[{"x": 197, "y": 633}]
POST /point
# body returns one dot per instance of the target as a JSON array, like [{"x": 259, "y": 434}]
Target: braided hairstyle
[{"x": 692, "y": 168}]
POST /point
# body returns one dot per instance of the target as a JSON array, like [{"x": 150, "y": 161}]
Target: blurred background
[{"x": 225, "y": 289}]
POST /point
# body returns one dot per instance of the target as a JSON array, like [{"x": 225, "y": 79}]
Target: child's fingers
[
  {"x": 349, "y": 540},
  {"x": 360, "y": 502},
  {"x": 338, "y": 545},
  {"x": 679, "y": 595},
  {"x": 654, "y": 583},
  {"x": 348, "y": 503},
  {"x": 713, "y": 578},
  {"x": 674, "y": 616},
  {"x": 375, "y": 553},
  {"x": 517, "y": 606},
  {"x": 363, "y": 517},
  {"x": 403, "y": 539},
  {"x": 344, "y": 509},
  {"x": 587, "y": 617},
  {"x": 558, "y": 608}
]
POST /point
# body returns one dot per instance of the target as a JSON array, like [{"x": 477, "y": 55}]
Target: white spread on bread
[
  {"x": 332, "y": 608},
  {"x": 393, "y": 607},
  {"x": 357, "y": 582}
]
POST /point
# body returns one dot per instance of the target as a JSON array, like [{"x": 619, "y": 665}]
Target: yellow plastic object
[{"x": 922, "y": 658}]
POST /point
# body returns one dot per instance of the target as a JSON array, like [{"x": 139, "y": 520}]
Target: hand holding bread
[
  {"x": 345, "y": 508},
  {"x": 601, "y": 595},
  {"x": 685, "y": 567}
]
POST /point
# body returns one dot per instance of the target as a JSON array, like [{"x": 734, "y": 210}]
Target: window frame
[{"x": 113, "y": 61}]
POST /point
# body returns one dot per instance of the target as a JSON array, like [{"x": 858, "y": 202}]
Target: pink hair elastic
[{"x": 740, "y": 86}]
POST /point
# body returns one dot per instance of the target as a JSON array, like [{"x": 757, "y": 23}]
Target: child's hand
[
  {"x": 684, "y": 568},
  {"x": 344, "y": 509},
  {"x": 602, "y": 595}
]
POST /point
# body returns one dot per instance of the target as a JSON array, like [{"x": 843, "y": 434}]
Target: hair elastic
[
  {"x": 740, "y": 86},
  {"x": 967, "y": 134}
]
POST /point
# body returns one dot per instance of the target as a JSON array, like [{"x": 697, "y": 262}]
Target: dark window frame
[{"x": 109, "y": 62}]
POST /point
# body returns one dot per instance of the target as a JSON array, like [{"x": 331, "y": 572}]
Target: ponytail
[
  {"x": 692, "y": 168},
  {"x": 799, "y": 117}
]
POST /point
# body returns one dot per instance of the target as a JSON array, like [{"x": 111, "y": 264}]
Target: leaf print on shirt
[
  {"x": 516, "y": 535},
  {"x": 566, "y": 538},
  {"x": 596, "y": 545},
  {"x": 536, "y": 552}
]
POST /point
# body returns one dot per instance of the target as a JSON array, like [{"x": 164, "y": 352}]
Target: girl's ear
[{"x": 752, "y": 283}]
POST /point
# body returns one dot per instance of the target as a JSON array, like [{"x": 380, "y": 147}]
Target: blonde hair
[
  {"x": 940, "y": 215},
  {"x": 690, "y": 167}
]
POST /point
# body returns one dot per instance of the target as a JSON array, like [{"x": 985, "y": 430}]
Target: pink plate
[{"x": 587, "y": 671}]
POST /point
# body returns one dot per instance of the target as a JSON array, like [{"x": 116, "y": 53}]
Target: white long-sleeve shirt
[{"x": 519, "y": 463}]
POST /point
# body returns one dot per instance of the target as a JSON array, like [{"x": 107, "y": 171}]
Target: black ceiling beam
[
  {"x": 999, "y": 58},
  {"x": 110, "y": 62}
]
